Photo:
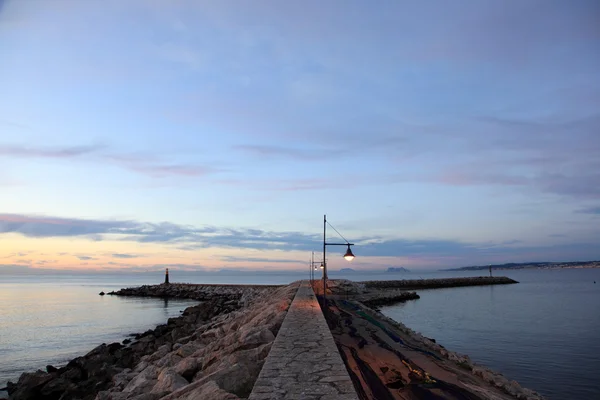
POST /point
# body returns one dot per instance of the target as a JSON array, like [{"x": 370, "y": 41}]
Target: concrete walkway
[{"x": 304, "y": 362}]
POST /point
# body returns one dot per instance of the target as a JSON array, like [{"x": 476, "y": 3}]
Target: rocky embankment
[
  {"x": 438, "y": 283},
  {"x": 493, "y": 378},
  {"x": 196, "y": 292},
  {"x": 214, "y": 350},
  {"x": 384, "y": 298}
]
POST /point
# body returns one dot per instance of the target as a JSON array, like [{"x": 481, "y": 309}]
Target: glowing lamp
[{"x": 349, "y": 256}]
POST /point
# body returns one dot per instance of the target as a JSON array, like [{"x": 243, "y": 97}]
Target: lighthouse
[{"x": 167, "y": 276}]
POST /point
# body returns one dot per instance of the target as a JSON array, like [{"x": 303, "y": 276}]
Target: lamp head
[
  {"x": 322, "y": 266},
  {"x": 349, "y": 256}
]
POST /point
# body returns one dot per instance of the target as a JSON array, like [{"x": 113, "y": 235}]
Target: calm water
[{"x": 543, "y": 333}]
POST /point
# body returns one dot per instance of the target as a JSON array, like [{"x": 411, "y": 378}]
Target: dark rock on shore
[{"x": 50, "y": 369}]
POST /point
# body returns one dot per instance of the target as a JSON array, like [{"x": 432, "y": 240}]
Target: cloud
[
  {"x": 14, "y": 269},
  {"x": 143, "y": 164},
  {"x": 165, "y": 232},
  {"x": 259, "y": 260},
  {"x": 165, "y": 170},
  {"x": 307, "y": 154},
  {"x": 124, "y": 255},
  {"x": 48, "y": 152},
  {"x": 590, "y": 210},
  {"x": 86, "y": 258},
  {"x": 40, "y": 226}
]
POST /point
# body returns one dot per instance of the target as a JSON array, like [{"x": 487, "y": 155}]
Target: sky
[{"x": 203, "y": 135}]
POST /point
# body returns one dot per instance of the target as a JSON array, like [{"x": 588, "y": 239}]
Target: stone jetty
[
  {"x": 233, "y": 293},
  {"x": 416, "y": 284},
  {"x": 272, "y": 342}
]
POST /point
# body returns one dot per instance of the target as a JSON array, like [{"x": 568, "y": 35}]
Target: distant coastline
[{"x": 532, "y": 265}]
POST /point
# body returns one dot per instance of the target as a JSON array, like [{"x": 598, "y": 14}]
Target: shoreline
[{"x": 158, "y": 366}]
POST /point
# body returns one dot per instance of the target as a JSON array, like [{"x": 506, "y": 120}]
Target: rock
[
  {"x": 101, "y": 293},
  {"x": 168, "y": 360},
  {"x": 188, "y": 349},
  {"x": 168, "y": 382},
  {"x": 240, "y": 378},
  {"x": 255, "y": 337},
  {"x": 160, "y": 352},
  {"x": 106, "y": 395},
  {"x": 143, "y": 382},
  {"x": 187, "y": 368},
  {"x": 28, "y": 386},
  {"x": 126, "y": 341},
  {"x": 74, "y": 374},
  {"x": 50, "y": 369},
  {"x": 211, "y": 391},
  {"x": 56, "y": 387}
]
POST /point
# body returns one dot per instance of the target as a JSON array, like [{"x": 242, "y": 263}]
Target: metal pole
[
  {"x": 312, "y": 266},
  {"x": 324, "y": 262}
]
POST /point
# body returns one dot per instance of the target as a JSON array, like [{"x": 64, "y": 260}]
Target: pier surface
[{"x": 304, "y": 362}]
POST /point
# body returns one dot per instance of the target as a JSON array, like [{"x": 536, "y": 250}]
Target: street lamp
[
  {"x": 349, "y": 256},
  {"x": 313, "y": 267}
]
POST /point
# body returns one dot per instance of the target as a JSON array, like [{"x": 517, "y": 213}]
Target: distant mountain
[
  {"x": 347, "y": 270},
  {"x": 538, "y": 265},
  {"x": 397, "y": 269}
]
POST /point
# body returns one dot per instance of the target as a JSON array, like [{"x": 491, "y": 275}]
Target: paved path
[{"x": 304, "y": 362}]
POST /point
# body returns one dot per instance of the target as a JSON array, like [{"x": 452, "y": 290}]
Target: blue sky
[{"x": 217, "y": 134}]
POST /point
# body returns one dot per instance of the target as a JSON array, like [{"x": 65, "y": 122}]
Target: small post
[
  {"x": 324, "y": 263},
  {"x": 167, "y": 276},
  {"x": 490, "y": 271}
]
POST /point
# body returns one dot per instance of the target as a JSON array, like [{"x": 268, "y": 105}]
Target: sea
[{"x": 543, "y": 332}]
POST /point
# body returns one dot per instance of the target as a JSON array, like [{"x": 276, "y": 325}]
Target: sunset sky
[{"x": 145, "y": 134}]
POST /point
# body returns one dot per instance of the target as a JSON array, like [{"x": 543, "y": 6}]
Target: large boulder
[
  {"x": 168, "y": 382},
  {"x": 28, "y": 386},
  {"x": 211, "y": 391},
  {"x": 239, "y": 378},
  {"x": 143, "y": 382},
  {"x": 187, "y": 367}
]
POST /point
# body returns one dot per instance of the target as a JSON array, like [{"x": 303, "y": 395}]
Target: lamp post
[
  {"x": 348, "y": 255},
  {"x": 313, "y": 267}
]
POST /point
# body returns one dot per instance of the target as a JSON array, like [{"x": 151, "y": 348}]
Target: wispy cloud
[
  {"x": 124, "y": 255},
  {"x": 296, "y": 153},
  {"x": 86, "y": 258},
  {"x": 48, "y": 152},
  {"x": 148, "y": 165},
  {"x": 260, "y": 260},
  {"x": 589, "y": 210},
  {"x": 188, "y": 236}
]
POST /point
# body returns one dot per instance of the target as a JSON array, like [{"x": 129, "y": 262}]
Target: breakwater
[
  {"x": 386, "y": 297},
  {"x": 213, "y": 350},
  {"x": 439, "y": 283},
  {"x": 231, "y": 293}
]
